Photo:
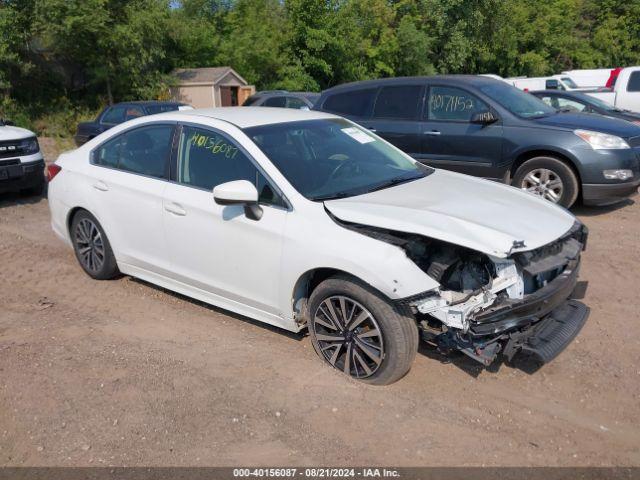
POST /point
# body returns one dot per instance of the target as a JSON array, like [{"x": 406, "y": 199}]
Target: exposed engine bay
[{"x": 483, "y": 299}]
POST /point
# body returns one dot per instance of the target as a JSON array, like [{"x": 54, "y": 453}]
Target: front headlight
[
  {"x": 29, "y": 146},
  {"x": 601, "y": 141}
]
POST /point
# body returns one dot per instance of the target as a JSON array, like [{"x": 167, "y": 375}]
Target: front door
[
  {"x": 451, "y": 141},
  {"x": 217, "y": 248}
]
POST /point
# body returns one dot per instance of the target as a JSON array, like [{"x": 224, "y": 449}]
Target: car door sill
[{"x": 208, "y": 297}]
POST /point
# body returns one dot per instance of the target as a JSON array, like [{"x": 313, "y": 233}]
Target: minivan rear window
[{"x": 353, "y": 102}]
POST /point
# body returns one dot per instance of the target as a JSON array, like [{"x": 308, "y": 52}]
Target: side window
[
  {"x": 354, "y": 102},
  {"x": 293, "y": 102},
  {"x": 133, "y": 112},
  {"x": 453, "y": 104},
  {"x": 551, "y": 101},
  {"x": 399, "y": 102},
  {"x": 108, "y": 154},
  {"x": 143, "y": 150},
  {"x": 572, "y": 105},
  {"x": 275, "y": 102},
  {"x": 634, "y": 82},
  {"x": 114, "y": 115},
  {"x": 207, "y": 158}
]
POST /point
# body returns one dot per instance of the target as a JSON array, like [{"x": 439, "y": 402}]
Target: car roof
[
  {"x": 475, "y": 80},
  {"x": 246, "y": 117}
]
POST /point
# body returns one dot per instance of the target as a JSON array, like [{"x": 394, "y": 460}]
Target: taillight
[{"x": 52, "y": 171}]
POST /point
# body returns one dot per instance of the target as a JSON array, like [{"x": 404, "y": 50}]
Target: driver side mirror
[
  {"x": 483, "y": 118},
  {"x": 239, "y": 192}
]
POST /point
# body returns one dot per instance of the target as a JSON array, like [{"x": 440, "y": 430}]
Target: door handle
[
  {"x": 175, "y": 209},
  {"x": 100, "y": 185},
  {"x": 432, "y": 132}
]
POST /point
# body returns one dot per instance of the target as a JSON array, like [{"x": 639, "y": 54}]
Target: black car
[
  {"x": 488, "y": 128},
  {"x": 582, "y": 102},
  {"x": 282, "y": 99},
  {"x": 121, "y": 112}
]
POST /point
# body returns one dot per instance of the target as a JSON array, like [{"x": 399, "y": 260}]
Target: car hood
[
  {"x": 591, "y": 121},
  {"x": 478, "y": 214},
  {"x": 14, "y": 133}
]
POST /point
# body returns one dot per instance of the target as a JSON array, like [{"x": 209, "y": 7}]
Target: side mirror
[
  {"x": 239, "y": 192},
  {"x": 483, "y": 118},
  {"x": 6, "y": 122},
  {"x": 552, "y": 85}
]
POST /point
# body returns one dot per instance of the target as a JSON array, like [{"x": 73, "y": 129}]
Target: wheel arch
[
  {"x": 563, "y": 157},
  {"x": 307, "y": 283}
]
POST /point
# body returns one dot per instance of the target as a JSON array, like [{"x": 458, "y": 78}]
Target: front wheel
[
  {"x": 357, "y": 331},
  {"x": 549, "y": 178}
]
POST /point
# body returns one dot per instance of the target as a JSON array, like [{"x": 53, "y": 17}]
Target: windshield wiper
[
  {"x": 332, "y": 196},
  {"x": 392, "y": 182}
]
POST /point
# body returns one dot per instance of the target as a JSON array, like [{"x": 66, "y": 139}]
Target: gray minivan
[{"x": 487, "y": 128}]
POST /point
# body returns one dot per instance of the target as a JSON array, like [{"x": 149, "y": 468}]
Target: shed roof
[{"x": 204, "y": 75}]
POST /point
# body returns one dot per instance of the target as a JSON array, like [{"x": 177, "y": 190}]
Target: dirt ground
[{"x": 123, "y": 373}]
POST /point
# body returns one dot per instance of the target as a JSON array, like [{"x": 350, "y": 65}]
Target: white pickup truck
[
  {"x": 21, "y": 162},
  {"x": 625, "y": 93}
]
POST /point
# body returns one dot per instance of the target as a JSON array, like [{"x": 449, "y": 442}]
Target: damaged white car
[{"x": 306, "y": 220}]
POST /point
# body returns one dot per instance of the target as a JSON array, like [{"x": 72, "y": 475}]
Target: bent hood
[{"x": 478, "y": 214}]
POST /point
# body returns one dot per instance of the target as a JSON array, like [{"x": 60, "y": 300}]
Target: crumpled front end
[{"x": 487, "y": 305}]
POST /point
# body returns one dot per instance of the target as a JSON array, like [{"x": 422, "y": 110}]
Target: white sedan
[{"x": 306, "y": 220}]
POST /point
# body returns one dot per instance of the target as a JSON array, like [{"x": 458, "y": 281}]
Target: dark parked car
[
  {"x": 487, "y": 128},
  {"x": 121, "y": 112},
  {"x": 581, "y": 102},
  {"x": 282, "y": 99}
]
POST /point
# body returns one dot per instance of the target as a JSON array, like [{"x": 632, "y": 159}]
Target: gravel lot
[{"x": 124, "y": 373}]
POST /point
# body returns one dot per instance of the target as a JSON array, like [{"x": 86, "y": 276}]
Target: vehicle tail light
[{"x": 52, "y": 170}]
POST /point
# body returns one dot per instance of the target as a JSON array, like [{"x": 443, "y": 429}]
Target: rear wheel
[
  {"x": 357, "y": 331},
  {"x": 549, "y": 178},
  {"x": 92, "y": 247}
]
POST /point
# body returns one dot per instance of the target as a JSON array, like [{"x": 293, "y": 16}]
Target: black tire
[
  {"x": 399, "y": 332},
  {"x": 83, "y": 236},
  {"x": 570, "y": 187}
]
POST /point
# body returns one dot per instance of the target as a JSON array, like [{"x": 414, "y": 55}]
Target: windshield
[
  {"x": 595, "y": 101},
  {"x": 516, "y": 101},
  {"x": 569, "y": 83},
  {"x": 332, "y": 158}
]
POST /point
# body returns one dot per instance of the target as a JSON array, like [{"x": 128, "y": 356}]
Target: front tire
[
  {"x": 354, "y": 329},
  {"x": 549, "y": 178},
  {"x": 92, "y": 247}
]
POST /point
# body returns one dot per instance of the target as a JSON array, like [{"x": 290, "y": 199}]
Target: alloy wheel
[
  {"x": 91, "y": 251},
  {"x": 544, "y": 183},
  {"x": 348, "y": 336}
]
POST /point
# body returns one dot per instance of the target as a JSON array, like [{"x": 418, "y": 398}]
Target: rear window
[
  {"x": 251, "y": 100},
  {"x": 398, "y": 102},
  {"x": 353, "y": 102},
  {"x": 634, "y": 82}
]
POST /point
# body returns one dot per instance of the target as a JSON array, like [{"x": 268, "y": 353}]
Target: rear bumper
[
  {"x": 21, "y": 176},
  {"x": 604, "y": 194}
]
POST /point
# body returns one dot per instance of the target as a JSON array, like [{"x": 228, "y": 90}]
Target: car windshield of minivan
[
  {"x": 332, "y": 158},
  {"x": 516, "y": 101}
]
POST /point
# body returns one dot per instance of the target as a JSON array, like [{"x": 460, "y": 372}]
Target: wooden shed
[{"x": 210, "y": 87}]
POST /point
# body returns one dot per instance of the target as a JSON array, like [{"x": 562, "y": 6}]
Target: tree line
[{"x": 61, "y": 55}]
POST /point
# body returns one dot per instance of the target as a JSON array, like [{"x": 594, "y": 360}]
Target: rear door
[
  {"x": 396, "y": 116},
  {"x": 128, "y": 176},
  {"x": 451, "y": 141}
]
